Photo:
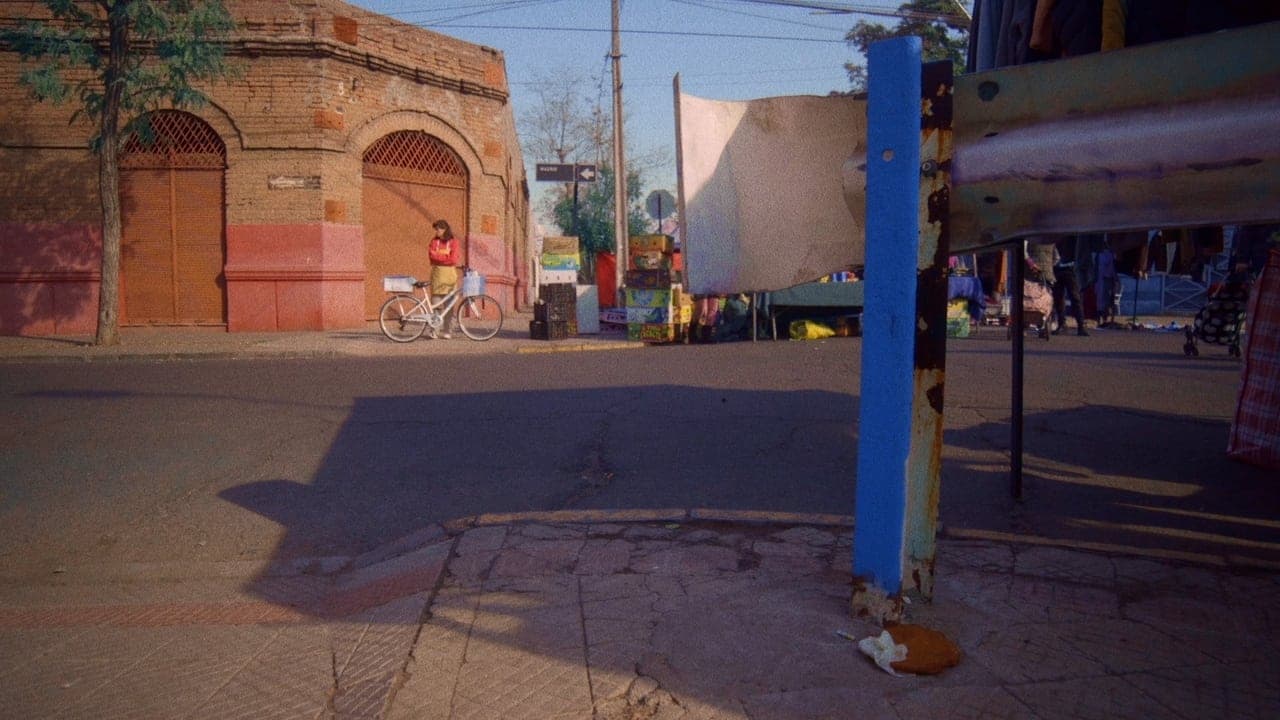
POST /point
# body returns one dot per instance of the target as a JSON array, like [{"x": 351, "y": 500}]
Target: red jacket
[{"x": 443, "y": 252}]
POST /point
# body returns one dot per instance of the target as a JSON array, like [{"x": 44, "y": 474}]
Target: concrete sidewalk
[
  {"x": 637, "y": 614},
  {"x": 194, "y": 343},
  {"x": 190, "y": 343}
]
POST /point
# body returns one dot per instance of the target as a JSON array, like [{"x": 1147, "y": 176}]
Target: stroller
[
  {"x": 1221, "y": 320},
  {"x": 1037, "y": 309}
]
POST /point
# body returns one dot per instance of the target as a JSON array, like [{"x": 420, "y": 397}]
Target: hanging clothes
[
  {"x": 1113, "y": 22},
  {"x": 983, "y": 30},
  {"x": 1013, "y": 40},
  {"x": 1042, "y": 28},
  {"x": 1077, "y": 26}
]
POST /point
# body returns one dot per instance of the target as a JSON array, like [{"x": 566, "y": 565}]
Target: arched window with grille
[{"x": 411, "y": 179}]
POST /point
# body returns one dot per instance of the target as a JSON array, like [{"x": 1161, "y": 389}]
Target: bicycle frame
[
  {"x": 436, "y": 312},
  {"x": 479, "y": 316}
]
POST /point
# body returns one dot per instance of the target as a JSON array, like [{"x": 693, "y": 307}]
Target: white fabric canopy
[{"x": 762, "y": 190}]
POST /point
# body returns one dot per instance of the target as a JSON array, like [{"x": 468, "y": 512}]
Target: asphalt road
[{"x": 221, "y": 460}]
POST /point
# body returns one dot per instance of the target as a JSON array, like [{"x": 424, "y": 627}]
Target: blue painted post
[{"x": 889, "y": 323}]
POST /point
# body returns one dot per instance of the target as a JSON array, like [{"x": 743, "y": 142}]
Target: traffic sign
[
  {"x": 554, "y": 172},
  {"x": 660, "y": 204},
  {"x": 585, "y": 173}
]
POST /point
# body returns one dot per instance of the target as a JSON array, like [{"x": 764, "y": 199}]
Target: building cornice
[{"x": 321, "y": 48}]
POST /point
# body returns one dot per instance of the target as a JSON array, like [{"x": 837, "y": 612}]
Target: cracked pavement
[{"x": 616, "y": 621}]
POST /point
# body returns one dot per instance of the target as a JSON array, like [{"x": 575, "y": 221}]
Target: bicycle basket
[
  {"x": 472, "y": 284},
  {"x": 398, "y": 283}
]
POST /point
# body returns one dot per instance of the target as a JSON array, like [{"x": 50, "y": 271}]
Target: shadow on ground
[{"x": 1115, "y": 475}]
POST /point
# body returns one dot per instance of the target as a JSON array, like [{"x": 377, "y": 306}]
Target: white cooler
[{"x": 588, "y": 310}]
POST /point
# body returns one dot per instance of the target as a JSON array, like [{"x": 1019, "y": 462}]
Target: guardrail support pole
[{"x": 904, "y": 328}]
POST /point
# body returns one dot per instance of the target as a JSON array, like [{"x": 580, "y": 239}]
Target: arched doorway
[
  {"x": 173, "y": 244},
  {"x": 411, "y": 179}
]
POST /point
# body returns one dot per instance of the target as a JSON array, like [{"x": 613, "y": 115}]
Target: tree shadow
[
  {"x": 49, "y": 276},
  {"x": 399, "y": 463}
]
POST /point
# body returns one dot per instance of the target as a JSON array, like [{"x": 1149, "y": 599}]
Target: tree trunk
[{"x": 109, "y": 176}]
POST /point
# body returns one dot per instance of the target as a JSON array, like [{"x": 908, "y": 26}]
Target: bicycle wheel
[
  {"x": 479, "y": 317},
  {"x": 398, "y": 319}
]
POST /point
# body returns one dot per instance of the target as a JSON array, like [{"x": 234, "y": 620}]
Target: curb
[
  {"x": 1223, "y": 562},
  {"x": 530, "y": 350},
  {"x": 88, "y": 355},
  {"x": 174, "y": 356}
]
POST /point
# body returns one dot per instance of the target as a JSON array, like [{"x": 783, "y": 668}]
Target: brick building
[{"x": 280, "y": 204}]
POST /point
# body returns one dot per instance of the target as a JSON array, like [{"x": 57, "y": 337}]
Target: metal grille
[
  {"x": 179, "y": 140},
  {"x": 414, "y": 156}
]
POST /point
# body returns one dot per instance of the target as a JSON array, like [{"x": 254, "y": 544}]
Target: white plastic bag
[{"x": 883, "y": 650}]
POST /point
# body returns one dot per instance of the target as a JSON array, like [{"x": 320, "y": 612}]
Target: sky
[{"x": 722, "y": 49}]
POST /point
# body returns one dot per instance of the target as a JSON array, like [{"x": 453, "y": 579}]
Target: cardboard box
[
  {"x": 560, "y": 245},
  {"x": 558, "y": 277},
  {"x": 649, "y": 260},
  {"x": 639, "y": 297},
  {"x": 642, "y": 315},
  {"x": 643, "y": 243},
  {"x": 560, "y": 261},
  {"x": 657, "y": 332},
  {"x": 651, "y": 279}
]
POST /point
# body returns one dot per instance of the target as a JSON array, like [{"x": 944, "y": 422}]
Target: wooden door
[
  {"x": 411, "y": 179},
  {"x": 173, "y": 247}
]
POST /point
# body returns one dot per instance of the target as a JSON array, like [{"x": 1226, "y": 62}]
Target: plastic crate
[{"x": 539, "y": 330}]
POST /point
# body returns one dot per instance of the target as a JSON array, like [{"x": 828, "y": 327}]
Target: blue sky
[{"x": 722, "y": 49}]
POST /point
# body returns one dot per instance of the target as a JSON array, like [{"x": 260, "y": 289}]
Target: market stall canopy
[{"x": 772, "y": 191}]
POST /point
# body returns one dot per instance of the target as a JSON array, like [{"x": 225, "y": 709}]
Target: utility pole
[{"x": 619, "y": 168}]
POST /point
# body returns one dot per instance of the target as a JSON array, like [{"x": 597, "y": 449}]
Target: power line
[
  {"x": 771, "y": 18},
  {"x": 672, "y": 33},
  {"x": 956, "y": 20}
]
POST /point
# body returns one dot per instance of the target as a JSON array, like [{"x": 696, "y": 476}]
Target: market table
[
  {"x": 824, "y": 295},
  {"x": 968, "y": 288}
]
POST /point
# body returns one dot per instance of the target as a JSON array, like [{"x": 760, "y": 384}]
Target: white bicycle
[{"x": 405, "y": 316}]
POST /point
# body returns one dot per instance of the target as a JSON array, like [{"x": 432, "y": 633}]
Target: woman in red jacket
[{"x": 444, "y": 260}]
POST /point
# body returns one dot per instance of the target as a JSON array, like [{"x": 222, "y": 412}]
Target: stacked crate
[
  {"x": 555, "y": 314},
  {"x": 657, "y": 308}
]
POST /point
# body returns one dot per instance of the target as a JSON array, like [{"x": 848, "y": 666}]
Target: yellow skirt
[{"x": 444, "y": 278}]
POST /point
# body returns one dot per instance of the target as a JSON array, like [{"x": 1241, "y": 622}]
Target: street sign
[
  {"x": 554, "y": 172},
  {"x": 660, "y": 204},
  {"x": 585, "y": 173}
]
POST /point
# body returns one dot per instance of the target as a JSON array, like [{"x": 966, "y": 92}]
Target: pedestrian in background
[
  {"x": 1066, "y": 286},
  {"x": 1107, "y": 287}
]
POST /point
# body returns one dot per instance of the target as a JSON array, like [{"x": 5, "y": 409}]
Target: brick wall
[{"x": 318, "y": 82}]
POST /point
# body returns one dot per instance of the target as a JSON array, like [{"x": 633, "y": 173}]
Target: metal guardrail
[{"x": 1177, "y": 134}]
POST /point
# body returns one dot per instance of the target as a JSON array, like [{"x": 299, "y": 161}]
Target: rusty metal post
[{"x": 924, "y": 464}]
